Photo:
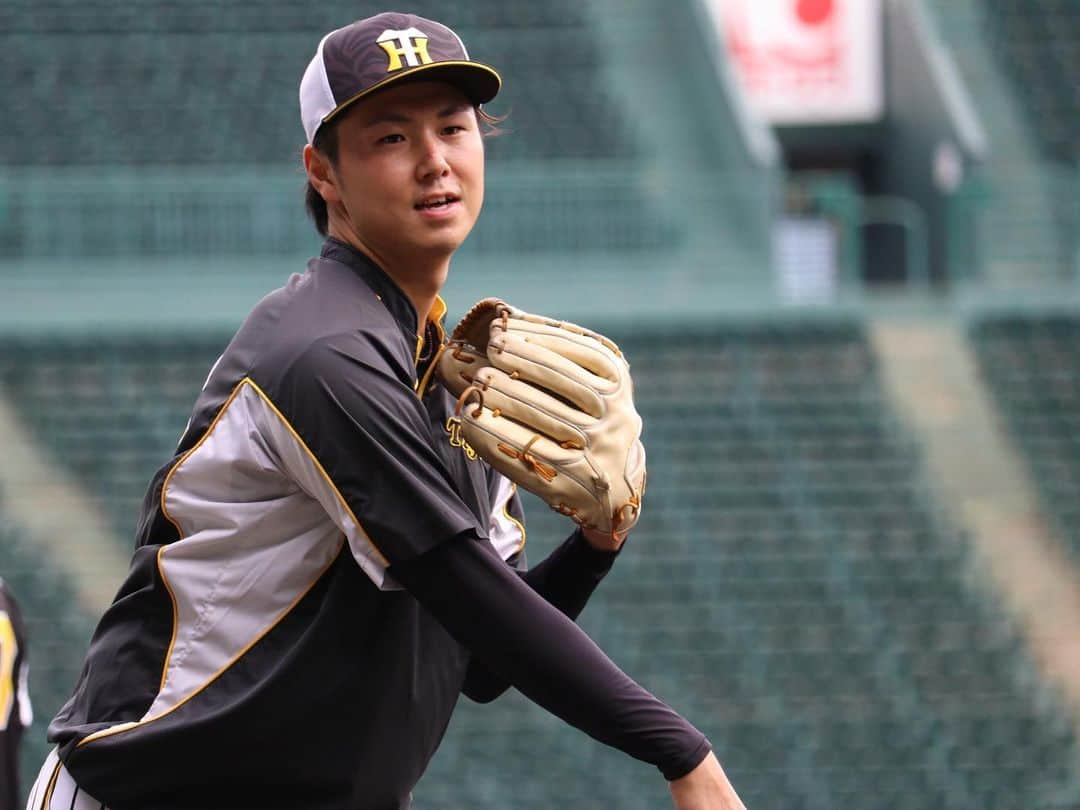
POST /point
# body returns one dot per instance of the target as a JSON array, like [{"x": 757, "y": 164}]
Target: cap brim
[{"x": 479, "y": 82}]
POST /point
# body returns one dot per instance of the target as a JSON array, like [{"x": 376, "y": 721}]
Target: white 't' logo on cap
[{"x": 410, "y": 44}]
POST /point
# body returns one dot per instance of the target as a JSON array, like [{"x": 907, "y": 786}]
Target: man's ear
[{"x": 321, "y": 174}]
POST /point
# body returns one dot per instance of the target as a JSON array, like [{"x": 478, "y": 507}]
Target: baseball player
[
  {"x": 16, "y": 713},
  {"x": 328, "y": 560}
]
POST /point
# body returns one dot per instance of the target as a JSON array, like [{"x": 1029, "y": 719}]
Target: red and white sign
[{"x": 806, "y": 61}]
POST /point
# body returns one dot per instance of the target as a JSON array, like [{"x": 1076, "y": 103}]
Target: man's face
[{"x": 410, "y": 171}]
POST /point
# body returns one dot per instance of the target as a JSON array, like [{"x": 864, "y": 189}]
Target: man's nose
[{"x": 432, "y": 161}]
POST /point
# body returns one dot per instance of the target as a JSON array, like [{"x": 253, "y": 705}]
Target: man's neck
[{"x": 422, "y": 292}]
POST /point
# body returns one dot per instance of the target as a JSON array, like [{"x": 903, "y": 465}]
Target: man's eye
[
  {"x": 454, "y": 129},
  {"x": 395, "y": 138}
]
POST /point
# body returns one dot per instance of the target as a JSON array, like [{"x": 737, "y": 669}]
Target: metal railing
[{"x": 999, "y": 231}]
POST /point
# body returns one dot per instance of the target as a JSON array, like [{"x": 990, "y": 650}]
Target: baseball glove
[{"x": 550, "y": 406}]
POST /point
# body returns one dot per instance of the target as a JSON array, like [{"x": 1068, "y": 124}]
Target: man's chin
[{"x": 447, "y": 242}]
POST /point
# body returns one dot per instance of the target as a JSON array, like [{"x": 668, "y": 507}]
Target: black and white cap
[{"x": 367, "y": 55}]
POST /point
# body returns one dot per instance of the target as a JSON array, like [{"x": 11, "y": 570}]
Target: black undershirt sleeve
[
  {"x": 568, "y": 575},
  {"x": 530, "y": 643},
  {"x": 566, "y": 579}
]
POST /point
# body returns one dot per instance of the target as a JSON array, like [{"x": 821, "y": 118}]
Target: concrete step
[{"x": 983, "y": 484}]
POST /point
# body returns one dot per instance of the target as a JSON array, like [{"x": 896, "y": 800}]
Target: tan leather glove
[{"x": 550, "y": 406}]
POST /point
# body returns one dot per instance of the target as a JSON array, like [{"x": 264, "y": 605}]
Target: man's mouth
[{"x": 436, "y": 202}]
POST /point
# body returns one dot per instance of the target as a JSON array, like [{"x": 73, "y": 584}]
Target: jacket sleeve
[{"x": 355, "y": 436}]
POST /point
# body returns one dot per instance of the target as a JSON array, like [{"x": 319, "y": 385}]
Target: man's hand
[{"x": 705, "y": 788}]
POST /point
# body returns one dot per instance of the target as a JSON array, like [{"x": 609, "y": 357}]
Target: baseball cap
[{"x": 375, "y": 52}]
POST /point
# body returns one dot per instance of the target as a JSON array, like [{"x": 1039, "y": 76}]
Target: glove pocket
[{"x": 457, "y": 365}]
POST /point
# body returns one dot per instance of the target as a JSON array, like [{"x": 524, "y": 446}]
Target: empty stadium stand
[
  {"x": 197, "y": 83},
  {"x": 111, "y": 410},
  {"x": 791, "y": 587},
  {"x": 1038, "y": 41},
  {"x": 193, "y": 85},
  {"x": 1032, "y": 366},
  {"x": 174, "y": 132}
]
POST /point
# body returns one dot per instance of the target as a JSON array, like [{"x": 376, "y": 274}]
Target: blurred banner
[{"x": 806, "y": 61}]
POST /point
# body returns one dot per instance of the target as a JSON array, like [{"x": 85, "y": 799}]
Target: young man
[
  {"x": 322, "y": 569},
  {"x": 16, "y": 713}
]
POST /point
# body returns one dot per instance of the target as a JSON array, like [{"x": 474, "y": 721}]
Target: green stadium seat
[{"x": 1038, "y": 43}]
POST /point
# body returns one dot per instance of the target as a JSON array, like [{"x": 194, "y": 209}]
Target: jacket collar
[{"x": 387, "y": 290}]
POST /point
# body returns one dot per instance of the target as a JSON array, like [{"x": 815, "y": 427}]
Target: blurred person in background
[{"x": 16, "y": 713}]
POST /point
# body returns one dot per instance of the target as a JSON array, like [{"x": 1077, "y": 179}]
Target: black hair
[{"x": 326, "y": 142}]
